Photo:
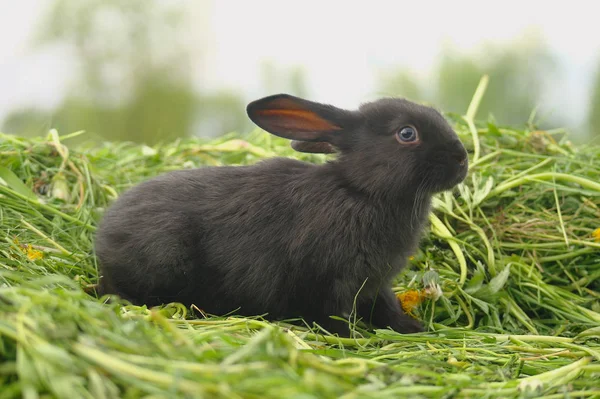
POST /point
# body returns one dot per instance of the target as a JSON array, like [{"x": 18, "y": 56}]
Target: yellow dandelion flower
[
  {"x": 596, "y": 234},
  {"x": 33, "y": 254},
  {"x": 410, "y": 300}
]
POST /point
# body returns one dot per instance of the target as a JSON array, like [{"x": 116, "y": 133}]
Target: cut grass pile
[{"x": 513, "y": 251}]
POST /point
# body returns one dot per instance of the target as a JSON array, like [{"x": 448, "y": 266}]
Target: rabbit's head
[{"x": 390, "y": 145}]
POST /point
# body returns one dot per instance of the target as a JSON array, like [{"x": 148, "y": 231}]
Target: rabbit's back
[{"x": 215, "y": 237}]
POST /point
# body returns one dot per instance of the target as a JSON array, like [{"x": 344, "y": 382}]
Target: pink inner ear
[{"x": 295, "y": 120}]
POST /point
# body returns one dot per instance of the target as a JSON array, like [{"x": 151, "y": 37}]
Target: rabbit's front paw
[{"x": 405, "y": 324}]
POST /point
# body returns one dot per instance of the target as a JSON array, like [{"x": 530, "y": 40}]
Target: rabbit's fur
[{"x": 285, "y": 237}]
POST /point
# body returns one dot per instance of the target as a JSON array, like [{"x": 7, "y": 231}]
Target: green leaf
[
  {"x": 431, "y": 277},
  {"x": 481, "y": 304},
  {"x": 498, "y": 282},
  {"x": 493, "y": 130},
  {"x": 481, "y": 191},
  {"x": 476, "y": 282},
  {"x": 13, "y": 182},
  {"x": 593, "y": 332}
]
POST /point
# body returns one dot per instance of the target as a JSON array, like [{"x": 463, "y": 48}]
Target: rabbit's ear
[
  {"x": 298, "y": 119},
  {"x": 313, "y": 147}
]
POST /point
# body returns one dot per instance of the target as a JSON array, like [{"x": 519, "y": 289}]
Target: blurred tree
[
  {"x": 27, "y": 121},
  {"x": 134, "y": 79},
  {"x": 594, "y": 110},
  {"x": 223, "y": 112},
  {"x": 516, "y": 75},
  {"x": 401, "y": 83},
  {"x": 283, "y": 80}
]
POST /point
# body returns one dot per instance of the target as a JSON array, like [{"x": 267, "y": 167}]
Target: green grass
[{"x": 514, "y": 255}]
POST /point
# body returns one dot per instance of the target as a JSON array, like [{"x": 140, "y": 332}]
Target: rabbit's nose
[
  {"x": 460, "y": 158},
  {"x": 458, "y": 153}
]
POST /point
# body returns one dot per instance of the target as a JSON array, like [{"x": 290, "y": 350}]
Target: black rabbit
[{"x": 286, "y": 237}]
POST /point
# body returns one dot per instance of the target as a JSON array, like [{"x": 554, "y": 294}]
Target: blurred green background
[{"x": 150, "y": 71}]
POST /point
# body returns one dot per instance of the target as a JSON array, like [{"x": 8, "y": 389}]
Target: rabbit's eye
[{"x": 407, "y": 134}]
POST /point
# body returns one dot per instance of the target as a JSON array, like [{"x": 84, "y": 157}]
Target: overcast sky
[{"x": 341, "y": 44}]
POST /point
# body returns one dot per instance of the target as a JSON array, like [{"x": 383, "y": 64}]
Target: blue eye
[{"x": 407, "y": 134}]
